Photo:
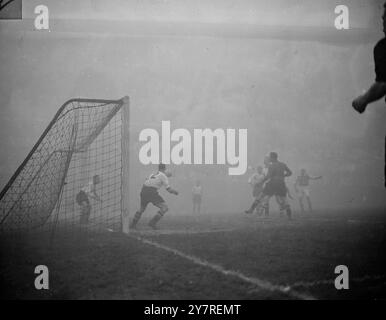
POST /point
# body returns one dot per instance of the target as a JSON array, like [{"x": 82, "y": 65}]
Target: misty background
[{"x": 278, "y": 68}]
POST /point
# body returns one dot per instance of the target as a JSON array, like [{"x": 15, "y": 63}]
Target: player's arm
[
  {"x": 287, "y": 172},
  {"x": 251, "y": 179},
  {"x": 268, "y": 175},
  {"x": 171, "y": 190},
  {"x": 374, "y": 93},
  {"x": 315, "y": 178},
  {"x": 168, "y": 188}
]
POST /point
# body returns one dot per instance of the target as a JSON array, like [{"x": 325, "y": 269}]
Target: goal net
[{"x": 84, "y": 139}]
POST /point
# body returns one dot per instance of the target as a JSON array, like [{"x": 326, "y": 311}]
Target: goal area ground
[{"x": 212, "y": 256}]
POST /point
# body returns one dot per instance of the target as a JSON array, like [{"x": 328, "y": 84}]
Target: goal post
[
  {"x": 125, "y": 146},
  {"x": 86, "y": 138}
]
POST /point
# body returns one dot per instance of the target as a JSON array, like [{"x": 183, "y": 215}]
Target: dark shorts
[
  {"x": 82, "y": 198},
  {"x": 150, "y": 195},
  {"x": 275, "y": 188},
  {"x": 196, "y": 198}
]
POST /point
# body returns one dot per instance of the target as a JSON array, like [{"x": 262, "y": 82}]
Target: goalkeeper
[
  {"x": 149, "y": 194},
  {"x": 83, "y": 198}
]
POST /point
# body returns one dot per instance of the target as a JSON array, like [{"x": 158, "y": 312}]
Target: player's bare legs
[
  {"x": 137, "y": 216},
  {"x": 196, "y": 205},
  {"x": 85, "y": 209},
  {"x": 301, "y": 202},
  {"x": 284, "y": 205},
  {"x": 309, "y": 203},
  {"x": 264, "y": 206},
  {"x": 254, "y": 205},
  {"x": 163, "y": 208}
]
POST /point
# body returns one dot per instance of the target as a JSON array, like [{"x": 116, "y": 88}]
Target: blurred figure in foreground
[{"x": 378, "y": 88}]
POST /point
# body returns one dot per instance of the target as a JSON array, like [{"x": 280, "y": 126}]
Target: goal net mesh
[{"x": 83, "y": 140}]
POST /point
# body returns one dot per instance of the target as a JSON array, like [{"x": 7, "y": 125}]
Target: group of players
[{"x": 268, "y": 181}]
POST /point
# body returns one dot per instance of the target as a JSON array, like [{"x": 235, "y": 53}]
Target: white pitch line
[
  {"x": 329, "y": 282},
  {"x": 172, "y": 232},
  {"x": 262, "y": 284}
]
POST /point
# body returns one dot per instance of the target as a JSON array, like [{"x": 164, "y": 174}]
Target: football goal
[{"x": 77, "y": 172}]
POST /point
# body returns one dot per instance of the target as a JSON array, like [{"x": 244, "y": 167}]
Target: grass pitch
[{"x": 233, "y": 250}]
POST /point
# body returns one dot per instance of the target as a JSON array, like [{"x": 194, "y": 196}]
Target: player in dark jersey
[
  {"x": 378, "y": 89},
  {"x": 83, "y": 197},
  {"x": 301, "y": 187},
  {"x": 275, "y": 184}
]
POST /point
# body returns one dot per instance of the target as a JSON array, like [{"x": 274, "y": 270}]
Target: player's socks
[
  {"x": 260, "y": 210},
  {"x": 135, "y": 220},
  {"x": 153, "y": 222}
]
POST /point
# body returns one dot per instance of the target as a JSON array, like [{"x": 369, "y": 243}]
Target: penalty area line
[{"x": 262, "y": 284}]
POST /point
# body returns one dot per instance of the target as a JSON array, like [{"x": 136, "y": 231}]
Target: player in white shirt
[
  {"x": 256, "y": 181},
  {"x": 302, "y": 188},
  {"x": 197, "y": 197},
  {"x": 149, "y": 194},
  {"x": 83, "y": 198}
]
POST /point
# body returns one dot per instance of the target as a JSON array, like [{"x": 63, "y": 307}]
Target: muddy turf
[{"x": 287, "y": 256}]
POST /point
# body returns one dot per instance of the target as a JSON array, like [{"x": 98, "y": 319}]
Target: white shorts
[{"x": 303, "y": 191}]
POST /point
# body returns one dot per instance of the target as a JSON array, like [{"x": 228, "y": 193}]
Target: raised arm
[{"x": 287, "y": 172}]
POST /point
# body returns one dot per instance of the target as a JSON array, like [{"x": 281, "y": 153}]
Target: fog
[{"x": 292, "y": 92}]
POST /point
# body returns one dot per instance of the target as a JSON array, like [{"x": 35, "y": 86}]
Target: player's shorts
[
  {"x": 304, "y": 190},
  {"x": 275, "y": 188},
  {"x": 82, "y": 198},
  {"x": 150, "y": 195},
  {"x": 196, "y": 198}
]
